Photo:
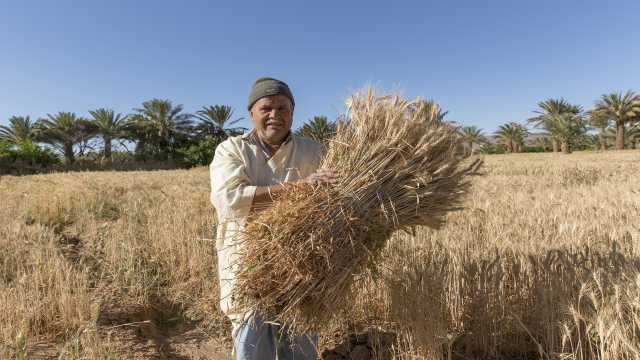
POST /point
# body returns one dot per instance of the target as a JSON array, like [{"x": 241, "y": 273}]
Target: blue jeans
[{"x": 257, "y": 339}]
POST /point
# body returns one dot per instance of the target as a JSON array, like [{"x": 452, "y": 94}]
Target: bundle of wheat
[{"x": 397, "y": 167}]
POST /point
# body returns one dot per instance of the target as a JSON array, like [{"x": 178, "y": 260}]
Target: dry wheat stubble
[{"x": 500, "y": 278}]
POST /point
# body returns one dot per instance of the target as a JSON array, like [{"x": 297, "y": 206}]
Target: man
[{"x": 245, "y": 173}]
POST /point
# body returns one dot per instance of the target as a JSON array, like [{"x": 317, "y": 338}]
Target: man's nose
[{"x": 273, "y": 113}]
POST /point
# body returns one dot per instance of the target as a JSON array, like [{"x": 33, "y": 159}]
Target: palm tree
[
  {"x": 472, "y": 135},
  {"x": 544, "y": 142},
  {"x": 111, "y": 126},
  {"x": 214, "y": 122},
  {"x": 318, "y": 128},
  {"x": 158, "y": 123},
  {"x": 512, "y": 136},
  {"x": 547, "y": 110},
  {"x": 592, "y": 141},
  {"x": 622, "y": 109},
  {"x": 631, "y": 135},
  {"x": 63, "y": 131},
  {"x": 601, "y": 122},
  {"x": 20, "y": 129},
  {"x": 567, "y": 127}
]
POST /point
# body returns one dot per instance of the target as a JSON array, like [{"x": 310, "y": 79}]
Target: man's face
[{"x": 272, "y": 118}]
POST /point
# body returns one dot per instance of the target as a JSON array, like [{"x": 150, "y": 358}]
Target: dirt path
[
  {"x": 134, "y": 332},
  {"x": 189, "y": 344},
  {"x": 135, "y": 343}
]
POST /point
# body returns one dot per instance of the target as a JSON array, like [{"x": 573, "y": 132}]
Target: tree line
[
  {"x": 158, "y": 131},
  {"x": 162, "y": 131},
  {"x": 566, "y": 126}
]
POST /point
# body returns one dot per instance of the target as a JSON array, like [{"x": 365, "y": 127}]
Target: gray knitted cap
[{"x": 267, "y": 86}]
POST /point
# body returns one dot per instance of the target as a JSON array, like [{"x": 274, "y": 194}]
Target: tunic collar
[{"x": 252, "y": 138}]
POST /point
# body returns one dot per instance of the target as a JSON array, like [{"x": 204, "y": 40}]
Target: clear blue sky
[{"x": 487, "y": 62}]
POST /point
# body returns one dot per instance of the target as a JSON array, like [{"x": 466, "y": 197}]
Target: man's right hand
[
  {"x": 264, "y": 194},
  {"x": 322, "y": 176}
]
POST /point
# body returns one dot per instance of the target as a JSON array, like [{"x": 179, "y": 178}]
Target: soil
[
  {"x": 136, "y": 332},
  {"x": 129, "y": 343},
  {"x": 144, "y": 341}
]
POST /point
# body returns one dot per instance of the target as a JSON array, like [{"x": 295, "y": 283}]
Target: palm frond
[
  {"x": 319, "y": 128},
  {"x": 215, "y": 121},
  {"x": 20, "y": 128}
]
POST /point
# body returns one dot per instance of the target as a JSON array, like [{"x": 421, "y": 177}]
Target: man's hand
[
  {"x": 264, "y": 194},
  {"x": 322, "y": 176}
]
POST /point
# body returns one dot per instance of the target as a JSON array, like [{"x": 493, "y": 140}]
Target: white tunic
[{"x": 238, "y": 167}]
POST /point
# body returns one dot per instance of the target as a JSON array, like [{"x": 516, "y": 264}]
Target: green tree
[
  {"x": 621, "y": 109},
  {"x": 110, "y": 126},
  {"x": 7, "y": 155},
  {"x": 631, "y": 135},
  {"x": 24, "y": 155},
  {"x": 32, "y": 154},
  {"x": 568, "y": 128},
  {"x": 543, "y": 142},
  {"x": 318, "y": 128},
  {"x": 472, "y": 135},
  {"x": 512, "y": 136},
  {"x": 214, "y": 121},
  {"x": 158, "y": 126},
  {"x": 489, "y": 148},
  {"x": 197, "y": 153},
  {"x": 601, "y": 122},
  {"x": 63, "y": 131},
  {"x": 20, "y": 128},
  {"x": 547, "y": 110}
]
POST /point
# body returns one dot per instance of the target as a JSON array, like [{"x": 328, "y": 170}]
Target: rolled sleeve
[{"x": 231, "y": 194}]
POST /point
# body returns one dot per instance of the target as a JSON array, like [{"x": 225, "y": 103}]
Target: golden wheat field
[{"x": 543, "y": 263}]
